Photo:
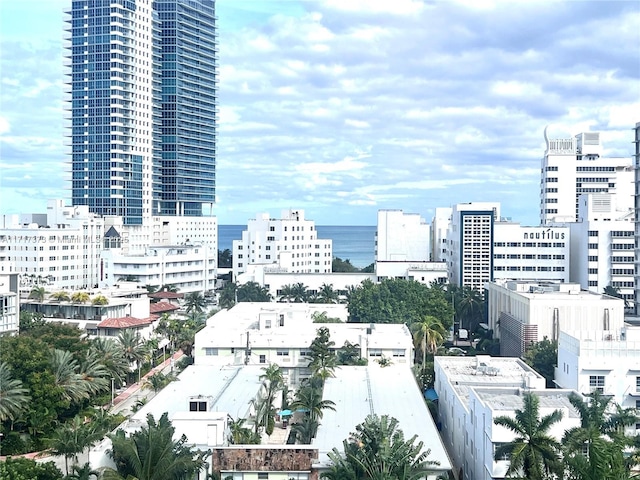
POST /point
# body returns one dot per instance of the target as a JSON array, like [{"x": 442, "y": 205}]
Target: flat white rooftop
[
  {"x": 361, "y": 391},
  {"x": 227, "y": 388},
  {"x": 505, "y": 400}
]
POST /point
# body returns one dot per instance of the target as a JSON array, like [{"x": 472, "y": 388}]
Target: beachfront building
[
  {"x": 281, "y": 333},
  {"x": 636, "y": 163},
  {"x": 455, "y": 377},
  {"x": 59, "y": 249},
  {"x": 523, "y": 312},
  {"x": 604, "y": 360},
  {"x": 575, "y": 166},
  {"x": 602, "y": 244},
  {"x": 374, "y": 390},
  {"x": 190, "y": 268},
  {"x": 289, "y": 243},
  {"x": 402, "y": 249},
  {"x": 276, "y": 280}
]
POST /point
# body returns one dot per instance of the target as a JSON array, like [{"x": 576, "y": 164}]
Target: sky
[{"x": 346, "y": 107}]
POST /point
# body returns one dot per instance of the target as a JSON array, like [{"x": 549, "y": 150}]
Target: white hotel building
[
  {"x": 59, "y": 249},
  {"x": 290, "y": 243},
  {"x": 574, "y": 166},
  {"x": 482, "y": 248},
  {"x": 602, "y": 244}
]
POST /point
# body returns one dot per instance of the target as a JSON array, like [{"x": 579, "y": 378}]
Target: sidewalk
[{"x": 125, "y": 400}]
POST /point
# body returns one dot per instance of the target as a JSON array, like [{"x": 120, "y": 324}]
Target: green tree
[
  {"x": 227, "y": 298},
  {"x": 239, "y": 434},
  {"x": 80, "y": 297},
  {"x": 542, "y": 357},
  {"x": 112, "y": 358},
  {"x": 65, "y": 369},
  {"x": 343, "y": 266},
  {"x": 225, "y": 258},
  {"x": 84, "y": 472},
  {"x": 322, "y": 317},
  {"x": 30, "y": 321},
  {"x": 252, "y": 292},
  {"x": 131, "y": 345},
  {"x": 285, "y": 293},
  {"x": 428, "y": 335},
  {"x": 100, "y": 300},
  {"x": 61, "y": 296},
  {"x": 151, "y": 453},
  {"x": 14, "y": 398},
  {"x": 38, "y": 294},
  {"x": 323, "y": 358},
  {"x": 194, "y": 302},
  {"x": 398, "y": 301},
  {"x": 305, "y": 430},
  {"x": 378, "y": 450},
  {"x": 595, "y": 449},
  {"x": 327, "y": 294},
  {"x": 469, "y": 308},
  {"x": 533, "y": 452},
  {"x": 349, "y": 354},
  {"x": 309, "y": 400},
  {"x": 70, "y": 439},
  {"x": 300, "y": 293},
  {"x": 158, "y": 381},
  {"x": 27, "y": 469}
]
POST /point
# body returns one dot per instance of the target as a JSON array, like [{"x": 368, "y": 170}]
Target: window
[
  {"x": 496, "y": 446},
  {"x": 398, "y": 353},
  {"x": 637, "y": 384},
  {"x": 267, "y": 324},
  {"x": 263, "y": 475},
  {"x": 210, "y": 351},
  {"x": 596, "y": 382},
  {"x": 263, "y": 359},
  {"x": 282, "y": 353},
  {"x": 375, "y": 352},
  {"x": 198, "y": 406}
]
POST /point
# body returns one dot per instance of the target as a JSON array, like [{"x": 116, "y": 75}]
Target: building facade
[
  {"x": 636, "y": 163},
  {"x": 401, "y": 237},
  {"x": 142, "y": 106},
  {"x": 602, "y": 244},
  {"x": 575, "y": 166},
  {"x": 9, "y": 300},
  {"x": 290, "y": 242},
  {"x": 59, "y": 249},
  {"x": 524, "y": 312}
]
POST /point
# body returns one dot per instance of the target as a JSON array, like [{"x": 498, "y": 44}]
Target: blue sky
[{"x": 345, "y": 107}]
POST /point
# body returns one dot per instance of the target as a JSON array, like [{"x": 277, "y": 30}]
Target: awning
[
  {"x": 286, "y": 413},
  {"x": 430, "y": 394}
]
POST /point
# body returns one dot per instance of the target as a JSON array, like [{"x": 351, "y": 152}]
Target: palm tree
[
  {"x": 194, "y": 302},
  {"x": 533, "y": 452},
  {"x": 158, "y": 381},
  {"x": 227, "y": 298},
  {"x": 286, "y": 293},
  {"x": 239, "y": 434},
  {"x": 151, "y": 453},
  {"x": 470, "y": 307},
  {"x": 131, "y": 346},
  {"x": 253, "y": 292},
  {"x": 323, "y": 358},
  {"x": 327, "y": 294},
  {"x": 273, "y": 381},
  {"x": 100, "y": 300},
  {"x": 38, "y": 294},
  {"x": 305, "y": 430},
  {"x": 594, "y": 450},
  {"x": 112, "y": 357},
  {"x": 80, "y": 297},
  {"x": 60, "y": 296},
  {"x": 428, "y": 335},
  {"x": 71, "y": 439},
  {"x": 94, "y": 374},
  {"x": 13, "y": 397},
  {"x": 65, "y": 371},
  {"x": 300, "y": 293},
  {"x": 378, "y": 450},
  {"x": 84, "y": 472},
  {"x": 309, "y": 399}
]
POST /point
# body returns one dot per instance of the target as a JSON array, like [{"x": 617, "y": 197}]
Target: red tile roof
[
  {"x": 162, "y": 307},
  {"x": 126, "y": 322},
  {"x": 166, "y": 295}
]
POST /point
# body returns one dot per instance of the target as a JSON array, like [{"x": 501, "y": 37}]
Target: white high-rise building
[
  {"x": 9, "y": 299},
  {"x": 401, "y": 237},
  {"x": 59, "y": 249},
  {"x": 636, "y": 141},
  {"x": 470, "y": 244},
  {"x": 289, "y": 243},
  {"x": 439, "y": 227},
  {"x": 575, "y": 166},
  {"x": 602, "y": 244}
]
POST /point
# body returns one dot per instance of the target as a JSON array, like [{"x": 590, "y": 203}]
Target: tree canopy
[{"x": 399, "y": 301}]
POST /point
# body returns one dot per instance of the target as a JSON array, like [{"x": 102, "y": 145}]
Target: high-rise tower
[{"x": 143, "y": 106}]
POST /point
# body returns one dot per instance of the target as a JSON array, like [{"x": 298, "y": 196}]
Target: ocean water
[{"x": 354, "y": 243}]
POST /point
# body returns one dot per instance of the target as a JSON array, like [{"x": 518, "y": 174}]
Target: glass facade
[
  {"x": 189, "y": 97},
  {"x": 129, "y": 158}
]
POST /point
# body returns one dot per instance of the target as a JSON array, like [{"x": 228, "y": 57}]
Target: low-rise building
[
  {"x": 603, "y": 360},
  {"x": 190, "y": 268},
  {"x": 523, "y": 312},
  {"x": 281, "y": 333},
  {"x": 375, "y": 390},
  {"x": 9, "y": 300},
  {"x": 454, "y": 379},
  {"x": 484, "y": 436}
]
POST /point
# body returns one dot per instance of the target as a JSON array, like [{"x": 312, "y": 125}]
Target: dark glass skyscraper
[{"x": 143, "y": 106}]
